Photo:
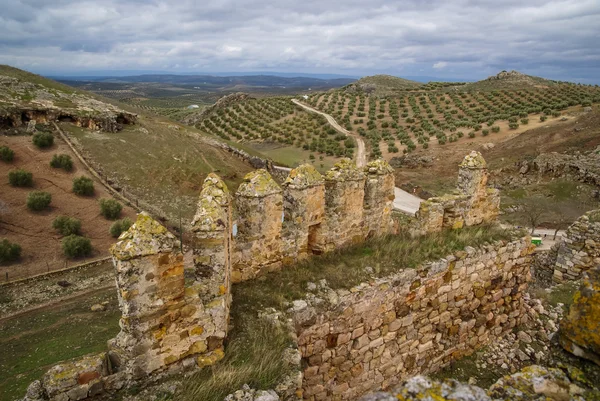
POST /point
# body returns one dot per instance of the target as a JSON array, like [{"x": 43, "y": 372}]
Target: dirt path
[
  {"x": 403, "y": 201},
  {"x": 361, "y": 155}
]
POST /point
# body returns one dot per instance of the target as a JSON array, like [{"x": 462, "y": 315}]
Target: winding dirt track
[{"x": 403, "y": 201}]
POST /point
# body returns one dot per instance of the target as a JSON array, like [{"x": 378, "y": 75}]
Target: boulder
[{"x": 580, "y": 329}]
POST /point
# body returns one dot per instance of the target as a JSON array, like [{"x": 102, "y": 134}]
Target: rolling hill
[
  {"x": 382, "y": 85},
  {"x": 157, "y": 164}
]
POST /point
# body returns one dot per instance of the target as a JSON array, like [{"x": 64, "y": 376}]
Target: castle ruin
[{"x": 175, "y": 315}]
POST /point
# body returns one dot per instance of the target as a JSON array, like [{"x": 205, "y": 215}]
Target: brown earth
[
  {"x": 581, "y": 131},
  {"x": 40, "y": 243}
]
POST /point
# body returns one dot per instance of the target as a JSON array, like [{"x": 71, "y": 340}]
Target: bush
[
  {"x": 75, "y": 246},
  {"x": 119, "y": 226},
  {"x": 513, "y": 125},
  {"x": 524, "y": 121},
  {"x": 6, "y": 154},
  {"x": 495, "y": 129},
  {"x": 471, "y": 135},
  {"x": 43, "y": 139},
  {"x": 9, "y": 252},
  {"x": 485, "y": 132},
  {"x": 66, "y": 225},
  {"x": 62, "y": 161},
  {"x": 543, "y": 118},
  {"x": 83, "y": 186},
  {"x": 110, "y": 208},
  {"x": 20, "y": 178},
  {"x": 38, "y": 200}
]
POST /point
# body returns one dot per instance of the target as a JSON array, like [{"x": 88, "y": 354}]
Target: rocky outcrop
[
  {"x": 533, "y": 383},
  {"x": 580, "y": 330},
  {"x": 580, "y": 167}
]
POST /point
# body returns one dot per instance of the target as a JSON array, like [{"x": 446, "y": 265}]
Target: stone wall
[
  {"x": 580, "y": 250},
  {"x": 311, "y": 214},
  {"x": 412, "y": 322},
  {"x": 472, "y": 203}
]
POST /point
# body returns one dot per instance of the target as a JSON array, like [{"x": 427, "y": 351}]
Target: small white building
[
  {"x": 305, "y": 97},
  {"x": 193, "y": 106}
]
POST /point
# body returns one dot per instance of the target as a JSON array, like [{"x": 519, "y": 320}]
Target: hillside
[
  {"x": 158, "y": 164},
  {"x": 510, "y": 80},
  {"x": 382, "y": 85}
]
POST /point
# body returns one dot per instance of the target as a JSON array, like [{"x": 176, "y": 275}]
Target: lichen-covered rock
[
  {"x": 249, "y": 394},
  {"x": 303, "y": 176},
  {"x": 379, "y": 166},
  {"x": 344, "y": 170},
  {"x": 422, "y": 388},
  {"x": 379, "y": 198},
  {"x": 145, "y": 237},
  {"x": 258, "y": 183},
  {"x": 580, "y": 330},
  {"x": 473, "y": 160},
  {"x": 76, "y": 376},
  {"x": 211, "y": 212}
]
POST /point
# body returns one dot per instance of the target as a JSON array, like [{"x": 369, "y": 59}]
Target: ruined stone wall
[
  {"x": 580, "y": 250},
  {"x": 413, "y": 322},
  {"x": 311, "y": 214},
  {"x": 472, "y": 203}
]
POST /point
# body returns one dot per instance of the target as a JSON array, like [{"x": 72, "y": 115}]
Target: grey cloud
[{"x": 463, "y": 38}]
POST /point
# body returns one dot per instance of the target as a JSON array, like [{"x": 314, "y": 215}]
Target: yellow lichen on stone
[
  {"x": 378, "y": 167},
  {"x": 473, "y": 160},
  {"x": 304, "y": 176},
  {"x": 145, "y": 237},
  {"x": 215, "y": 188},
  {"x": 210, "y": 215},
  {"x": 345, "y": 170},
  {"x": 258, "y": 183}
]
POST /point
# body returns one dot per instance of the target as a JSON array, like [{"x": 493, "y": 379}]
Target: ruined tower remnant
[
  {"x": 471, "y": 204},
  {"x": 379, "y": 198},
  {"x": 162, "y": 321},
  {"x": 344, "y": 196},
  {"x": 259, "y": 205},
  {"x": 303, "y": 211},
  {"x": 484, "y": 202},
  {"x": 580, "y": 251},
  {"x": 212, "y": 250}
]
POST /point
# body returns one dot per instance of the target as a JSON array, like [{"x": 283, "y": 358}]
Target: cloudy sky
[{"x": 464, "y": 39}]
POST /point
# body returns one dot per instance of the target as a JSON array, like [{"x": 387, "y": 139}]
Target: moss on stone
[
  {"x": 473, "y": 160},
  {"x": 214, "y": 187},
  {"x": 345, "y": 170},
  {"x": 303, "y": 176},
  {"x": 145, "y": 237},
  {"x": 210, "y": 216},
  {"x": 257, "y": 184},
  {"x": 378, "y": 167}
]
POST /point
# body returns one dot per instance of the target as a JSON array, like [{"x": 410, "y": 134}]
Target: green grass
[
  {"x": 253, "y": 356},
  {"x": 161, "y": 165},
  {"x": 292, "y": 156},
  {"x": 345, "y": 268},
  {"x": 33, "y": 342},
  {"x": 33, "y": 78},
  {"x": 563, "y": 189}
]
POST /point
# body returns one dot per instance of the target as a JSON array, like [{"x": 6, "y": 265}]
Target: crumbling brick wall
[
  {"x": 580, "y": 250},
  {"x": 412, "y": 322}
]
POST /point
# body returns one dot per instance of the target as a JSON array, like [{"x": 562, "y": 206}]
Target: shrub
[
  {"x": 543, "y": 118},
  {"x": 471, "y": 135},
  {"x": 524, "y": 121},
  {"x": 38, "y": 200},
  {"x": 66, "y": 225},
  {"x": 83, "y": 186},
  {"x": 495, "y": 129},
  {"x": 20, "y": 178},
  {"x": 6, "y": 154},
  {"x": 43, "y": 139},
  {"x": 110, "y": 208},
  {"x": 485, "y": 132},
  {"x": 62, "y": 161},
  {"x": 9, "y": 252},
  {"x": 513, "y": 125},
  {"x": 76, "y": 246},
  {"x": 119, "y": 226}
]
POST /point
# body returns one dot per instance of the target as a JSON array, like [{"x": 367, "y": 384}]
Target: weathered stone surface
[
  {"x": 145, "y": 237},
  {"x": 303, "y": 211},
  {"x": 379, "y": 198},
  {"x": 580, "y": 329},
  {"x": 580, "y": 250},
  {"x": 472, "y": 204},
  {"x": 258, "y": 245},
  {"x": 412, "y": 322},
  {"x": 581, "y": 167},
  {"x": 73, "y": 375}
]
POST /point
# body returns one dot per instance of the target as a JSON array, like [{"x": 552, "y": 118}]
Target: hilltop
[
  {"x": 382, "y": 85},
  {"x": 511, "y": 80}
]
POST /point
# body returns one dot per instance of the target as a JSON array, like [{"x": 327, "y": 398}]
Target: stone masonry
[
  {"x": 580, "y": 250},
  {"x": 379, "y": 198},
  {"x": 412, "y": 322},
  {"x": 259, "y": 203},
  {"x": 303, "y": 211},
  {"x": 472, "y": 203}
]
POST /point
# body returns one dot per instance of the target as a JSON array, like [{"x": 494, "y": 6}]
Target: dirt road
[
  {"x": 361, "y": 155},
  {"x": 403, "y": 201}
]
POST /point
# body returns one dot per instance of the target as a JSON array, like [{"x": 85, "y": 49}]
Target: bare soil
[{"x": 40, "y": 243}]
